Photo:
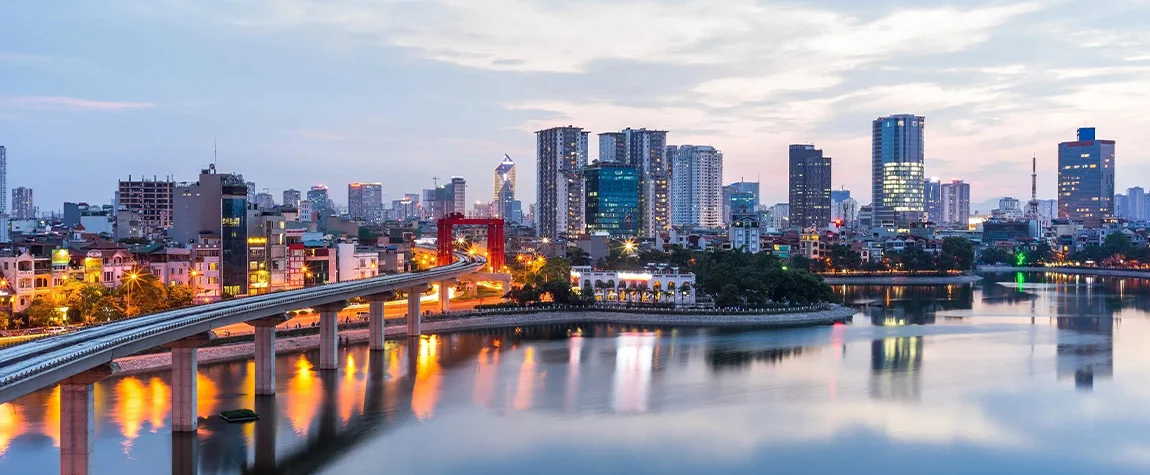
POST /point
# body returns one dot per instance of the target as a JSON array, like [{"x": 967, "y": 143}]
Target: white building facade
[
  {"x": 658, "y": 283},
  {"x": 696, "y": 185}
]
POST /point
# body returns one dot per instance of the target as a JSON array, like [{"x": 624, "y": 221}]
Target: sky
[{"x": 300, "y": 92}]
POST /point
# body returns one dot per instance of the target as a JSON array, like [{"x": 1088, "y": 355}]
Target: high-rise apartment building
[
  {"x": 697, "y": 185},
  {"x": 1137, "y": 200},
  {"x": 932, "y": 199},
  {"x": 3, "y": 179},
  {"x": 318, "y": 197},
  {"x": 810, "y": 187},
  {"x": 215, "y": 208},
  {"x": 897, "y": 168},
  {"x": 23, "y": 207},
  {"x": 646, "y": 150},
  {"x": 612, "y": 201},
  {"x": 291, "y": 198},
  {"x": 364, "y": 201},
  {"x": 1121, "y": 206},
  {"x": 458, "y": 195},
  {"x": 1086, "y": 179},
  {"x": 504, "y": 188},
  {"x": 151, "y": 198},
  {"x": 956, "y": 202},
  {"x": 561, "y": 153},
  {"x": 265, "y": 201}
]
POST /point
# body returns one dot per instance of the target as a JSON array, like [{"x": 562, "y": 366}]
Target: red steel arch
[{"x": 494, "y": 238}]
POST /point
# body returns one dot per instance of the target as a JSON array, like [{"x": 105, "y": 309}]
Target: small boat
[{"x": 240, "y": 415}]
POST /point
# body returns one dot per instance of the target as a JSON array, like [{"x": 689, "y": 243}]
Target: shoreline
[
  {"x": 148, "y": 363},
  {"x": 1069, "y": 270},
  {"x": 902, "y": 280}
]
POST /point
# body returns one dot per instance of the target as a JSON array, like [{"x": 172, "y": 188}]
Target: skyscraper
[
  {"x": 810, "y": 187},
  {"x": 1086, "y": 179},
  {"x": 1121, "y": 206},
  {"x": 897, "y": 168},
  {"x": 561, "y": 153},
  {"x": 646, "y": 150},
  {"x": 364, "y": 201},
  {"x": 317, "y": 195},
  {"x": 743, "y": 189},
  {"x": 1137, "y": 198},
  {"x": 291, "y": 198},
  {"x": 3, "y": 179},
  {"x": 932, "y": 199},
  {"x": 612, "y": 202},
  {"x": 458, "y": 195},
  {"x": 956, "y": 202},
  {"x": 23, "y": 206},
  {"x": 504, "y": 188},
  {"x": 697, "y": 184}
]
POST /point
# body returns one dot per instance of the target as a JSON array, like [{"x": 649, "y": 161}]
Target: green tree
[
  {"x": 993, "y": 255},
  {"x": 844, "y": 258},
  {"x": 92, "y": 302},
  {"x": 578, "y": 256},
  {"x": 957, "y": 254},
  {"x": 1116, "y": 244},
  {"x": 43, "y": 311},
  {"x": 140, "y": 293},
  {"x": 180, "y": 295}
]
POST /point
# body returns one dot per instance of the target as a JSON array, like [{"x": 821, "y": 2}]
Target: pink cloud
[{"x": 73, "y": 103}]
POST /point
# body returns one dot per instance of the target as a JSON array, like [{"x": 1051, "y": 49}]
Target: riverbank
[
  {"x": 902, "y": 280},
  {"x": 1070, "y": 270},
  {"x": 239, "y": 351}
]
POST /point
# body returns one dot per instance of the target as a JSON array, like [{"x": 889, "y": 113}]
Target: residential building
[
  {"x": 810, "y": 187},
  {"x": 503, "y": 196},
  {"x": 265, "y": 201},
  {"x": 23, "y": 207},
  {"x": 562, "y": 154},
  {"x": 1086, "y": 179},
  {"x": 956, "y": 203},
  {"x": 364, "y": 201},
  {"x": 646, "y": 150},
  {"x": 1008, "y": 209},
  {"x": 780, "y": 216},
  {"x": 612, "y": 199},
  {"x": 216, "y": 206},
  {"x": 458, "y": 195},
  {"x": 932, "y": 199},
  {"x": 897, "y": 169},
  {"x": 1136, "y": 197},
  {"x": 697, "y": 185},
  {"x": 128, "y": 224},
  {"x": 355, "y": 262},
  {"x": 152, "y": 198},
  {"x": 291, "y": 198},
  {"x": 405, "y": 209},
  {"x": 745, "y": 233},
  {"x": 613, "y": 147}
]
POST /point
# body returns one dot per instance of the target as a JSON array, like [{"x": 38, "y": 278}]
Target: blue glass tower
[
  {"x": 897, "y": 168},
  {"x": 1086, "y": 179},
  {"x": 612, "y": 201}
]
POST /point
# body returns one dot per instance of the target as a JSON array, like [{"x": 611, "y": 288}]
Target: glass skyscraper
[
  {"x": 612, "y": 203},
  {"x": 1086, "y": 179},
  {"x": 932, "y": 199},
  {"x": 810, "y": 187},
  {"x": 897, "y": 193}
]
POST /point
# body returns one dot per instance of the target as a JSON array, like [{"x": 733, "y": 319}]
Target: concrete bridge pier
[
  {"x": 185, "y": 453},
  {"x": 413, "y": 295},
  {"x": 77, "y": 420},
  {"x": 375, "y": 321},
  {"x": 265, "y": 352},
  {"x": 185, "y": 367},
  {"x": 265, "y": 434},
  {"x": 329, "y": 334},
  {"x": 445, "y": 295}
]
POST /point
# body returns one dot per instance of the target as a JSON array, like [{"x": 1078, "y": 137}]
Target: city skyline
[{"x": 992, "y": 98}]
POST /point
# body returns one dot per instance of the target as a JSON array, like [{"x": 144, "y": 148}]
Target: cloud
[{"x": 71, "y": 103}]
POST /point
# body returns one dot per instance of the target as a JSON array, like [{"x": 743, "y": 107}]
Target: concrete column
[
  {"x": 413, "y": 295},
  {"x": 329, "y": 335},
  {"x": 375, "y": 321},
  {"x": 265, "y": 434},
  {"x": 185, "y": 367},
  {"x": 77, "y": 420},
  {"x": 445, "y": 295},
  {"x": 265, "y": 352}
]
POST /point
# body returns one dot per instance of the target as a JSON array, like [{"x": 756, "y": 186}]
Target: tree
[
  {"x": 1116, "y": 244},
  {"x": 140, "y": 293},
  {"x": 957, "y": 254},
  {"x": 993, "y": 255},
  {"x": 844, "y": 258},
  {"x": 42, "y": 312},
  {"x": 578, "y": 256},
  {"x": 92, "y": 302},
  {"x": 179, "y": 295}
]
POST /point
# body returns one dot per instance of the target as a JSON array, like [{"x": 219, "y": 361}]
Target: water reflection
[{"x": 923, "y": 370}]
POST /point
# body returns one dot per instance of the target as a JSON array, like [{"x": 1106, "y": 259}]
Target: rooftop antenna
[
  {"x": 435, "y": 182},
  {"x": 215, "y": 153}
]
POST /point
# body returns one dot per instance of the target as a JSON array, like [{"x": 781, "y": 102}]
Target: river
[{"x": 1020, "y": 373}]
